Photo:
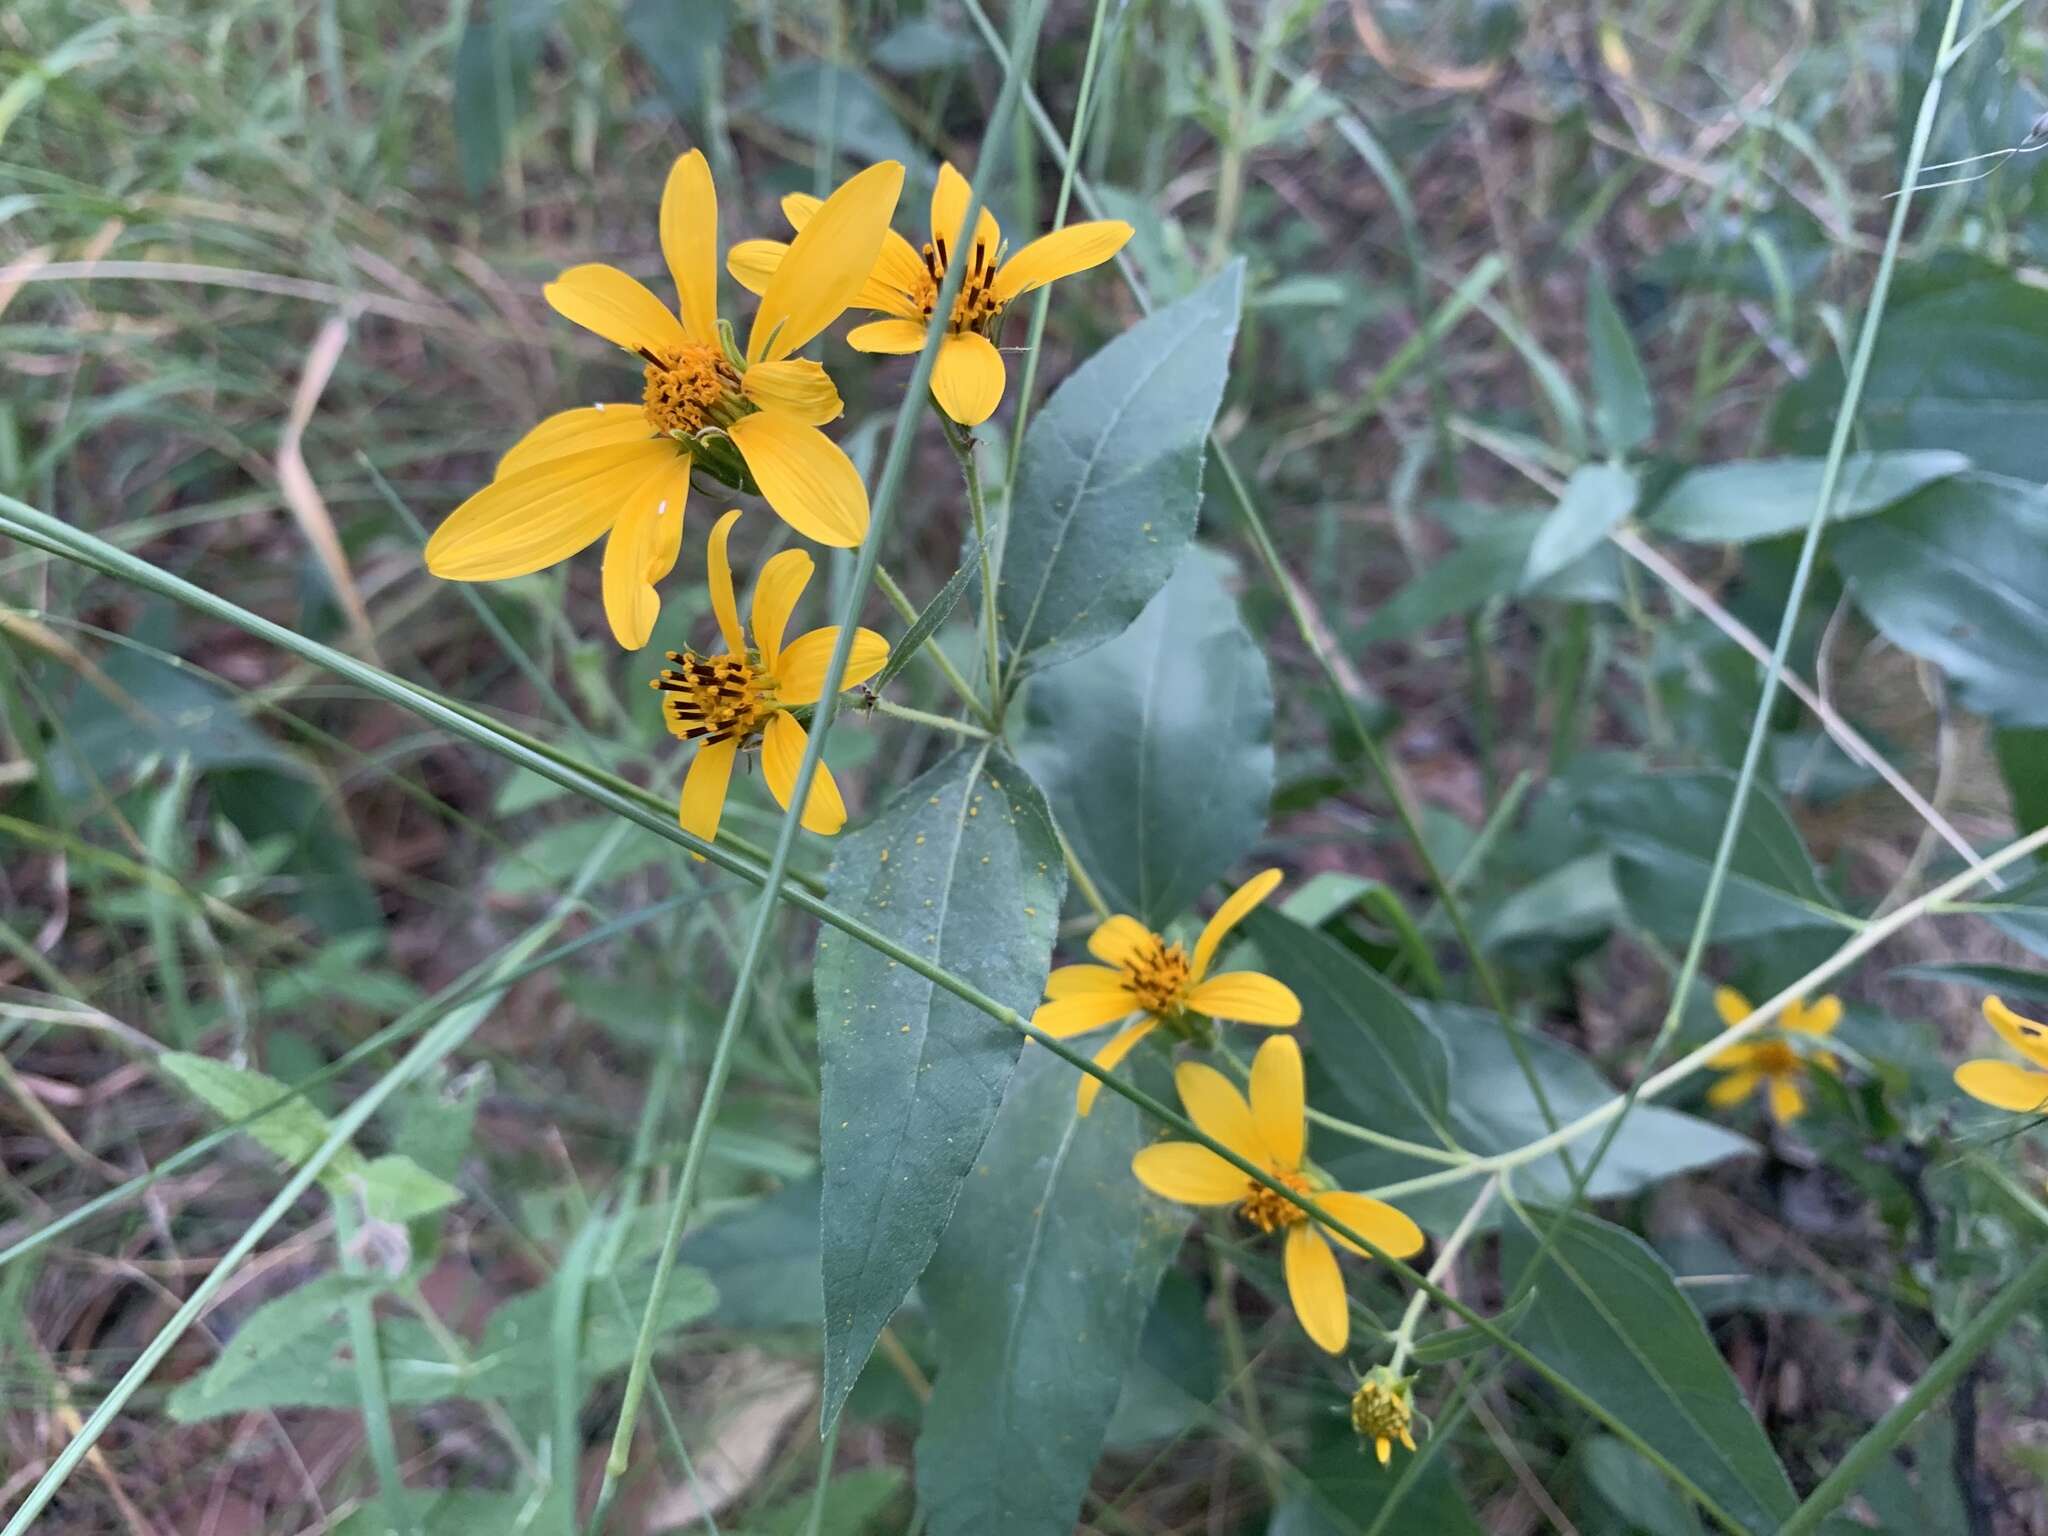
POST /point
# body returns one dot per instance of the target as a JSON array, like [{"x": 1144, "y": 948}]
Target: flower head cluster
[
  {"x": 1778, "y": 1061},
  {"x": 1270, "y": 1131},
  {"x": 1382, "y": 1411}
]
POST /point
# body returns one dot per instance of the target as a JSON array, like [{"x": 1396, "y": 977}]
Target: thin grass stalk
[{"x": 375, "y": 1403}]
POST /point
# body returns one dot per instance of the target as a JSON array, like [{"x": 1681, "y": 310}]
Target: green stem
[
  {"x": 369, "y": 1368},
  {"x": 926, "y": 718},
  {"x": 1366, "y": 1134},
  {"x": 1246, "y": 1385},
  {"x": 1446, "y": 1256},
  {"x": 962, "y": 444},
  {"x": 1083, "y": 881}
]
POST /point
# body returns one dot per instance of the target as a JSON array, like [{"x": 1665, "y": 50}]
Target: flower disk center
[
  {"x": 1270, "y": 1212},
  {"x": 686, "y": 386},
  {"x": 975, "y": 306},
  {"x": 1158, "y": 975},
  {"x": 1774, "y": 1058},
  {"x": 1380, "y": 1414},
  {"x": 715, "y": 698}
]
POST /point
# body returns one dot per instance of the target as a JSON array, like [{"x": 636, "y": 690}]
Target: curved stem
[
  {"x": 1446, "y": 1256},
  {"x": 926, "y": 718}
]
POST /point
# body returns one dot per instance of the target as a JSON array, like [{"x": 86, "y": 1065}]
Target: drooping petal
[
  {"x": 642, "y": 549},
  {"x": 752, "y": 263},
  {"x": 805, "y": 477},
  {"x": 1059, "y": 254},
  {"x": 1277, "y": 1100},
  {"x": 529, "y": 521},
  {"x": 1375, "y": 1220},
  {"x": 567, "y": 432},
  {"x": 1788, "y": 1099},
  {"x": 2003, "y": 1085},
  {"x": 800, "y": 669},
  {"x": 782, "y": 753},
  {"x": 2018, "y": 1031},
  {"x": 689, "y": 239},
  {"x": 718, "y": 576},
  {"x": 1219, "y": 1110},
  {"x": 827, "y": 264},
  {"x": 1114, "y": 1050},
  {"x": 704, "y": 786},
  {"x": 1316, "y": 1287},
  {"x": 1248, "y": 998},
  {"x": 1731, "y": 1005},
  {"x": 1803, "y": 1018},
  {"x": 950, "y": 196},
  {"x": 1733, "y": 1089},
  {"x": 1189, "y": 1173},
  {"x": 968, "y": 377},
  {"x": 797, "y": 388},
  {"x": 776, "y": 590},
  {"x": 892, "y": 336},
  {"x": 621, "y": 309},
  {"x": 1117, "y": 938},
  {"x": 1078, "y": 980},
  {"x": 1065, "y": 1017},
  {"x": 1236, "y": 907}
]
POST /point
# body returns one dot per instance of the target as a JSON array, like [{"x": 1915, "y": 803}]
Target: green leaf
[
  {"x": 1470, "y": 1338},
  {"x": 1624, "y": 414},
  {"x": 493, "y": 67},
  {"x": 1597, "y": 499},
  {"x": 680, "y": 40},
  {"x": 1769, "y": 498},
  {"x": 1959, "y": 574},
  {"x": 1039, "y": 1295},
  {"x": 1343, "y": 1491},
  {"x": 764, "y": 1260},
  {"x": 862, "y": 125},
  {"x": 962, "y": 866},
  {"x": 1488, "y": 564},
  {"x": 1110, "y": 485},
  {"x": 1635, "y": 1489},
  {"x": 934, "y": 614},
  {"x": 1610, "y": 1319},
  {"x": 2023, "y": 763},
  {"x": 1664, "y": 829},
  {"x": 1155, "y": 750},
  {"x": 853, "y": 1502}
]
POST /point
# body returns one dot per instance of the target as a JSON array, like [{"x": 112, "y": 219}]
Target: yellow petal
[
  {"x": 1219, "y": 1110},
  {"x": 800, "y": 208},
  {"x": 1117, "y": 938},
  {"x": 2003, "y": 1085},
  {"x": 968, "y": 378},
  {"x": 642, "y": 550},
  {"x": 782, "y": 753},
  {"x": 718, "y": 576},
  {"x": 529, "y": 521},
  {"x": 898, "y": 271},
  {"x": 1316, "y": 1287},
  {"x": 1788, "y": 1099},
  {"x": 1247, "y": 997},
  {"x": 567, "y": 432},
  {"x": 1803, "y": 1018},
  {"x": 1733, "y": 1089},
  {"x": 1113, "y": 1051},
  {"x": 1731, "y": 1005},
  {"x": 1065, "y": 1017},
  {"x": 950, "y": 197},
  {"x": 795, "y": 387},
  {"x": 704, "y": 787},
  {"x": 828, "y": 263},
  {"x": 1236, "y": 907},
  {"x": 621, "y": 309},
  {"x": 1188, "y": 1173},
  {"x": 1278, "y": 1101},
  {"x": 805, "y": 477},
  {"x": 1732, "y": 1058},
  {"x": 776, "y": 590},
  {"x": 892, "y": 336},
  {"x": 1375, "y": 1221},
  {"x": 800, "y": 669},
  {"x": 689, "y": 239},
  {"x": 752, "y": 263},
  {"x": 2018, "y": 1031},
  {"x": 1059, "y": 254},
  {"x": 1078, "y": 980}
]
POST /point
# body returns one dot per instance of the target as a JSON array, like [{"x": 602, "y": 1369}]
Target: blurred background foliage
[{"x": 1545, "y": 321}]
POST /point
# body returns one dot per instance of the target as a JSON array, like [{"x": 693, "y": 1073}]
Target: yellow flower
[
  {"x": 1271, "y": 1131},
  {"x": 1144, "y": 974},
  {"x": 741, "y": 697},
  {"x": 2003, "y": 1084},
  {"x": 749, "y": 419},
  {"x": 1773, "y": 1060},
  {"x": 967, "y": 375},
  {"x": 1382, "y": 1409}
]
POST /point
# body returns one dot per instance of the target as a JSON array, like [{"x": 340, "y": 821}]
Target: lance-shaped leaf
[
  {"x": 1110, "y": 484},
  {"x": 1155, "y": 751},
  {"x": 962, "y": 867},
  {"x": 1039, "y": 1294}
]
